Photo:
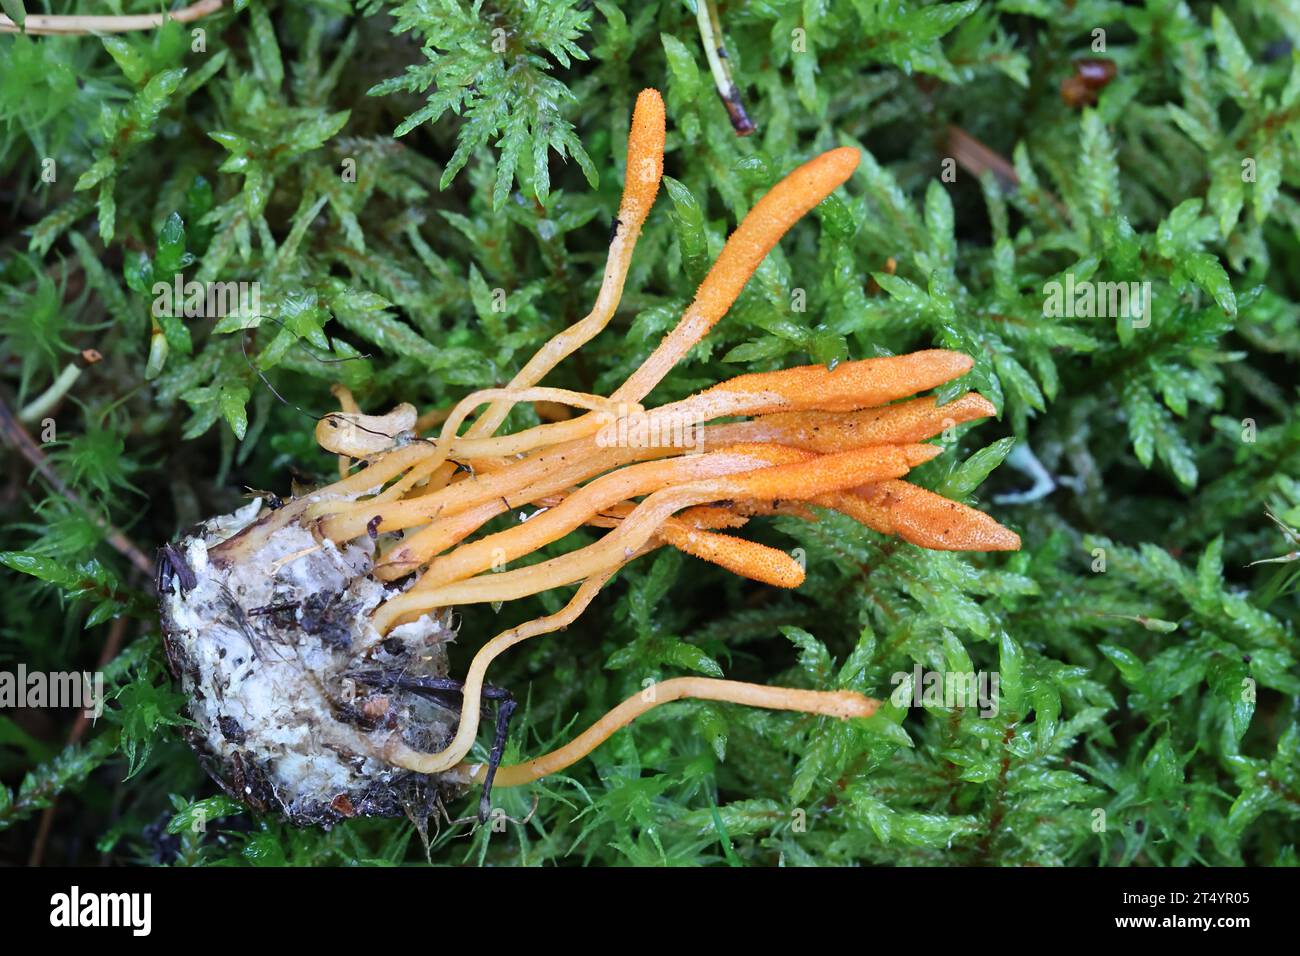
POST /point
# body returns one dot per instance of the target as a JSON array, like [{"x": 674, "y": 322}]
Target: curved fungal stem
[
  {"x": 347, "y": 405},
  {"x": 795, "y": 480},
  {"x": 760, "y": 230},
  {"x": 400, "y": 754},
  {"x": 540, "y": 474},
  {"x": 617, "y": 486},
  {"x": 368, "y": 480},
  {"x": 841, "y": 704},
  {"x": 851, "y": 385},
  {"x": 447, "y": 440}
]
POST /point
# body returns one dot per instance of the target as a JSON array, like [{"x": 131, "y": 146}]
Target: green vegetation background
[{"x": 1149, "y": 687}]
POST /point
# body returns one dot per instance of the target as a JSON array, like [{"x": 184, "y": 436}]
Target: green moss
[{"x": 423, "y": 193}]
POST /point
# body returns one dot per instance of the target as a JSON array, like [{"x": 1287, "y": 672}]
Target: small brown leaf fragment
[{"x": 1090, "y": 76}]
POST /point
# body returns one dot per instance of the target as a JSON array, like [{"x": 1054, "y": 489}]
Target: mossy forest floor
[{"x": 421, "y": 194}]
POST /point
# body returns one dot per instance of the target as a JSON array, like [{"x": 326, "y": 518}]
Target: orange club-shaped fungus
[{"x": 311, "y": 636}]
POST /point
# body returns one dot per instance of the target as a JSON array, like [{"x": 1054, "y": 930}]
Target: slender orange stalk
[
  {"x": 800, "y": 480},
  {"x": 555, "y": 523},
  {"x": 841, "y": 704},
  {"x": 849, "y": 385},
  {"x": 912, "y": 421}
]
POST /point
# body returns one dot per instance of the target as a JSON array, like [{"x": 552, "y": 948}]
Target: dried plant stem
[
  {"x": 37, "y": 24},
  {"x": 715, "y": 51},
  {"x": 112, "y": 645},
  {"x": 45, "y": 401}
]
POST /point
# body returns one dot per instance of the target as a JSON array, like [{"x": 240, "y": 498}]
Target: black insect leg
[
  {"x": 505, "y": 710},
  {"x": 172, "y": 567},
  {"x": 441, "y": 688}
]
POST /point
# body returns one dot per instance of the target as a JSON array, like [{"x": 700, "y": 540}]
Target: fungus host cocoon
[{"x": 262, "y": 648}]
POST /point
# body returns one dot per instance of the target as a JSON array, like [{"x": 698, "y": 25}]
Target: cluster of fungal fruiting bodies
[{"x": 391, "y": 548}]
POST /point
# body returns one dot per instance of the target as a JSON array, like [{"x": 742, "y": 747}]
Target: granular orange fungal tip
[
  {"x": 645, "y": 159},
  {"x": 748, "y": 559},
  {"x": 817, "y": 476},
  {"x": 764, "y": 225},
  {"x": 911, "y": 421},
  {"x": 925, "y": 519},
  {"x": 849, "y": 386}
]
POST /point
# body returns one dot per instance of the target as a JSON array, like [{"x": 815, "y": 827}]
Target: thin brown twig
[
  {"x": 14, "y": 434},
  {"x": 977, "y": 158},
  {"x": 112, "y": 644},
  {"x": 39, "y": 24},
  {"x": 974, "y": 157}
]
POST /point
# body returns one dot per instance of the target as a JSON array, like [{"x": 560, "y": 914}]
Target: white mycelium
[{"x": 266, "y": 650}]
